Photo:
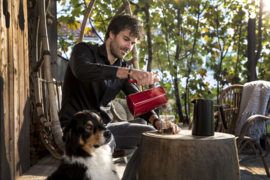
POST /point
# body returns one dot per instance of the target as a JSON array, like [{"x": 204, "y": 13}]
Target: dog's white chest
[{"x": 100, "y": 165}]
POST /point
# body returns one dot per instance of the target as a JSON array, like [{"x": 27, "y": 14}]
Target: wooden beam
[
  {"x": 10, "y": 123},
  {"x": 26, "y": 110},
  {"x": 16, "y": 119},
  {"x": 5, "y": 159},
  {"x": 52, "y": 36}
]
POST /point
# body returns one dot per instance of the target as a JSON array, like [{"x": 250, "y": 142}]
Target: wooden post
[
  {"x": 5, "y": 159},
  {"x": 14, "y": 91},
  {"x": 52, "y": 36}
]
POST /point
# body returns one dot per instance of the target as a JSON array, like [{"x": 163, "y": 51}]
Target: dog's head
[{"x": 84, "y": 132}]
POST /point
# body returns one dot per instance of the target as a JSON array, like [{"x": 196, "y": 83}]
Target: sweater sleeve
[{"x": 84, "y": 66}]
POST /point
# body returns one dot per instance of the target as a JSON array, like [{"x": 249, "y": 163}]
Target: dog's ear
[{"x": 67, "y": 132}]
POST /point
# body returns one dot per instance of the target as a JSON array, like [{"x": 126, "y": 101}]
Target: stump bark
[{"x": 187, "y": 157}]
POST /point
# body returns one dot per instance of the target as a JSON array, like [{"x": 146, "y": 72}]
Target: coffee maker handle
[
  {"x": 222, "y": 116},
  {"x": 132, "y": 81}
]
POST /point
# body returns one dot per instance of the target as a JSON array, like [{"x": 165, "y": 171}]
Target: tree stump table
[{"x": 187, "y": 157}]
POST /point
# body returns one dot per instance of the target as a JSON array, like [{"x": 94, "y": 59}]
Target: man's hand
[
  {"x": 176, "y": 129},
  {"x": 143, "y": 78}
]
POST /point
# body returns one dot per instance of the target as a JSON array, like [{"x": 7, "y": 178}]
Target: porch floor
[{"x": 250, "y": 169}]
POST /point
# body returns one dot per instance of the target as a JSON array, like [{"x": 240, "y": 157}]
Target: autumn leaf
[
  {"x": 217, "y": 46},
  {"x": 59, "y": 52},
  {"x": 77, "y": 40},
  {"x": 216, "y": 54},
  {"x": 87, "y": 30},
  {"x": 205, "y": 29},
  {"x": 205, "y": 38},
  {"x": 63, "y": 2},
  {"x": 203, "y": 72}
]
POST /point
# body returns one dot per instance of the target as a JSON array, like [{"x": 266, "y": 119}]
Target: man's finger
[
  {"x": 156, "y": 79},
  {"x": 174, "y": 128},
  {"x": 150, "y": 79},
  {"x": 178, "y": 130}
]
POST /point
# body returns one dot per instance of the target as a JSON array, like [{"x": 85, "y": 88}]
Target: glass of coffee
[{"x": 166, "y": 127}]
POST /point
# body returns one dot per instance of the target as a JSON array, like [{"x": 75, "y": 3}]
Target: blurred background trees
[{"x": 195, "y": 47}]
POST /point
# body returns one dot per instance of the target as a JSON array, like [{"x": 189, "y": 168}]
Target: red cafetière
[{"x": 145, "y": 101}]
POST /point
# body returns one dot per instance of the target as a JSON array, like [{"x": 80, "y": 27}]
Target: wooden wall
[
  {"x": 61, "y": 68},
  {"x": 14, "y": 90}
]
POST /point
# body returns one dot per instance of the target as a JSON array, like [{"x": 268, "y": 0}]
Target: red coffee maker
[{"x": 145, "y": 101}]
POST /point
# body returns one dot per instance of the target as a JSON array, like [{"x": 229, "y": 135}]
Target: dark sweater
[{"x": 91, "y": 83}]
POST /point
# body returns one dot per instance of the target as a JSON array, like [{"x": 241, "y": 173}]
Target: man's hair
[{"x": 124, "y": 22}]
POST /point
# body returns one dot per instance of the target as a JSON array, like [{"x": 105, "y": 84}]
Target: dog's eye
[{"x": 89, "y": 127}]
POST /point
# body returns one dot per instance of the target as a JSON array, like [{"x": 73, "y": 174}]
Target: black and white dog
[{"x": 88, "y": 155}]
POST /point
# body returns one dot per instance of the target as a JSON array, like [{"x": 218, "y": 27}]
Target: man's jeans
[{"x": 128, "y": 136}]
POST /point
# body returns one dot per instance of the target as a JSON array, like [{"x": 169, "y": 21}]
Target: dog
[{"x": 87, "y": 153}]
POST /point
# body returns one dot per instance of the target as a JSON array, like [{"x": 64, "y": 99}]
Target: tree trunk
[
  {"x": 177, "y": 96},
  {"x": 176, "y": 88},
  {"x": 239, "y": 47},
  {"x": 189, "y": 64},
  {"x": 251, "y": 50},
  {"x": 258, "y": 55},
  {"x": 149, "y": 42},
  {"x": 186, "y": 102}
]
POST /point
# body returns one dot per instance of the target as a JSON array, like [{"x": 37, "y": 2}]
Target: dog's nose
[{"x": 107, "y": 134}]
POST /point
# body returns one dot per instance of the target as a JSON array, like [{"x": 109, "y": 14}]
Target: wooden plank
[
  {"x": 22, "y": 101},
  {"x": 10, "y": 124},
  {"x": 16, "y": 94},
  {"x": 21, "y": 60},
  {"x": 42, "y": 169},
  {"x": 1, "y": 89},
  {"x": 26, "y": 110},
  {"x": 5, "y": 172}
]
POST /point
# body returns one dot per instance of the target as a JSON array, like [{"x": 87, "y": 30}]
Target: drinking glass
[{"x": 166, "y": 127}]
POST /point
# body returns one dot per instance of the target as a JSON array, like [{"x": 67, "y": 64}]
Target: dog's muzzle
[{"x": 107, "y": 135}]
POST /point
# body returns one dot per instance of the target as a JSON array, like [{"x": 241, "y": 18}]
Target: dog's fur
[{"x": 87, "y": 153}]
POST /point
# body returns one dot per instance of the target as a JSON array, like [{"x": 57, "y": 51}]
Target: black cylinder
[{"x": 203, "y": 117}]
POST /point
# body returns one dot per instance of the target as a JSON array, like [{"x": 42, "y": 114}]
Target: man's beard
[{"x": 115, "y": 49}]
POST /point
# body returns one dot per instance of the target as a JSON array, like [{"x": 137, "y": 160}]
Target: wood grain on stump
[{"x": 187, "y": 157}]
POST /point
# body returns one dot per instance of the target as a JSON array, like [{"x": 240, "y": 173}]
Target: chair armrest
[{"x": 248, "y": 122}]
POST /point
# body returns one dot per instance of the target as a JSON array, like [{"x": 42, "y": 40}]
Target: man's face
[{"x": 122, "y": 43}]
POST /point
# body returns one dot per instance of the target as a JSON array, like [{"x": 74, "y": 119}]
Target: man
[{"x": 96, "y": 74}]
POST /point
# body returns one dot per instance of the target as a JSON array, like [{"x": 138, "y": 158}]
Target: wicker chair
[
  {"x": 46, "y": 132},
  {"x": 230, "y": 99}
]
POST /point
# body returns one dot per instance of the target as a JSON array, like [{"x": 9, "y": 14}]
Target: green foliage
[{"x": 211, "y": 37}]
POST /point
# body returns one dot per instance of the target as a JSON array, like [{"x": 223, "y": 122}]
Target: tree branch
[
  {"x": 260, "y": 34},
  {"x": 92, "y": 26}
]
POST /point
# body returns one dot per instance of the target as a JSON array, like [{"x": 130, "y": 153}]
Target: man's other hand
[{"x": 143, "y": 78}]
